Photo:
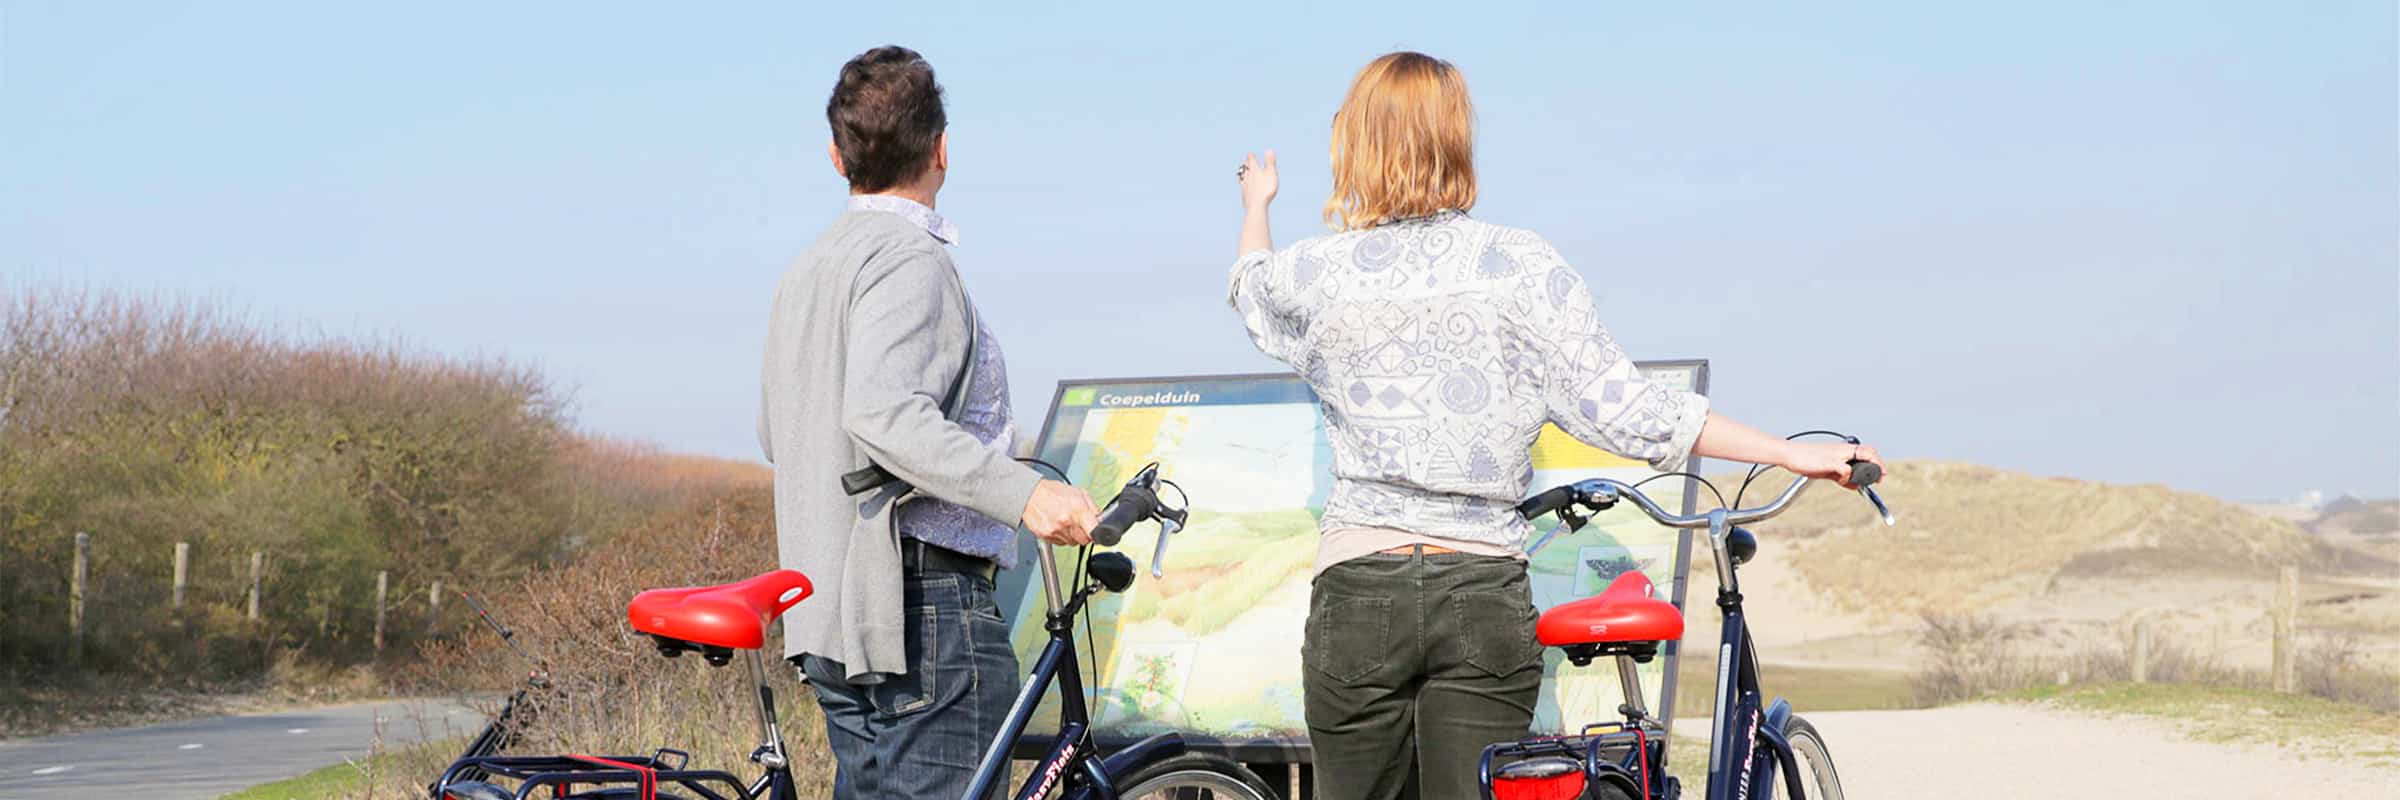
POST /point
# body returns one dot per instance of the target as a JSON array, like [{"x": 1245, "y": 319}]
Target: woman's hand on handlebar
[
  {"x": 1060, "y": 514},
  {"x": 1828, "y": 460}
]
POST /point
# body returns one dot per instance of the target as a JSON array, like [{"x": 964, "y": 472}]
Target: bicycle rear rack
[
  {"x": 1601, "y": 748},
  {"x": 564, "y": 773}
]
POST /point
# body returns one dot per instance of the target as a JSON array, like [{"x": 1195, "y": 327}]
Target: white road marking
[
  {"x": 194, "y": 746},
  {"x": 297, "y": 730},
  {"x": 53, "y": 770}
]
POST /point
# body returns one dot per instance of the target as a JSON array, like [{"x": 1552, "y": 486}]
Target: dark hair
[{"x": 886, "y": 114}]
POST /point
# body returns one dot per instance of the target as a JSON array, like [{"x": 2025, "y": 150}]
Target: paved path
[
  {"x": 2001, "y": 751},
  {"x": 202, "y": 759}
]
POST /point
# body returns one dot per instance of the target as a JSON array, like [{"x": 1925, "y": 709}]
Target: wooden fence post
[
  {"x": 383, "y": 584},
  {"x": 2141, "y": 650},
  {"x": 183, "y": 571},
  {"x": 258, "y": 574},
  {"x": 76, "y": 581},
  {"x": 433, "y": 608},
  {"x": 2286, "y": 614}
]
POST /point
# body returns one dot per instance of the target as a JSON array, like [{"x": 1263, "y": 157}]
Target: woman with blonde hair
[{"x": 1438, "y": 346}]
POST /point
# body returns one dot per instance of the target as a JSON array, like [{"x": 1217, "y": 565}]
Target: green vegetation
[
  {"x": 334, "y": 781},
  {"x": 1809, "y": 688},
  {"x": 396, "y": 774},
  {"x": 146, "y": 422},
  {"x": 2235, "y": 714}
]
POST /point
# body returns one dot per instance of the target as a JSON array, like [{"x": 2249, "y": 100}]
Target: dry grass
[
  {"x": 1970, "y": 536},
  {"x": 614, "y": 693},
  {"x": 1970, "y": 657},
  {"x": 149, "y": 421},
  {"x": 2336, "y": 667}
]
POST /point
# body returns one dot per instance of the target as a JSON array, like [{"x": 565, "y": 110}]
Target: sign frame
[{"x": 1016, "y": 583}]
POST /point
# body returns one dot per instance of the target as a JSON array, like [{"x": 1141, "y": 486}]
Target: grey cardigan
[{"x": 867, "y": 334}]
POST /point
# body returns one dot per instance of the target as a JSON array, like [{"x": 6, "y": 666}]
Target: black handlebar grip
[
  {"x": 1132, "y": 505},
  {"x": 1865, "y": 473},
  {"x": 1546, "y": 502},
  {"x": 865, "y": 478}
]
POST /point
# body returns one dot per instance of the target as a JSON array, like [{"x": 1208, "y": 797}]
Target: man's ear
[
  {"x": 834, "y": 151},
  {"x": 941, "y": 152}
]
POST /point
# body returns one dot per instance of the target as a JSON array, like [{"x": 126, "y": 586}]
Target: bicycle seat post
[
  {"x": 771, "y": 754},
  {"x": 1629, "y": 679}
]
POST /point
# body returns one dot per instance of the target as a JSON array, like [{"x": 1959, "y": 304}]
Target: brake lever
[
  {"x": 1880, "y": 509},
  {"x": 1536, "y": 547},
  {"x": 1568, "y": 521},
  {"x": 1167, "y": 526}
]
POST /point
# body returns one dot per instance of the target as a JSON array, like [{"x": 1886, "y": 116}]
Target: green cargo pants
[{"x": 1412, "y": 664}]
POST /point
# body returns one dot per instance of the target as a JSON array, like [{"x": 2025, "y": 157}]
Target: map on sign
[{"x": 1213, "y": 648}]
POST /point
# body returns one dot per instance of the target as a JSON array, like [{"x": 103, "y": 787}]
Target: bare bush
[
  {"x": 2336, "y": 668},
  {"x": 149, "y": 421},
  {"x": 1969, "y": 656},
  {"x": 614, "y": 693}
]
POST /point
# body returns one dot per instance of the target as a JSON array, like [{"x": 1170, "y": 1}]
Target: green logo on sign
[{"x": 1080, "y": 396}]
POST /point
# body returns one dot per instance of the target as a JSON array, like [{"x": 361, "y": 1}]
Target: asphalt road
[{"x": 205, "y": 758}]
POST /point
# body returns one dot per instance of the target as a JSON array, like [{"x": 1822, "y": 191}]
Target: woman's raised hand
[{"x": 1258, "y": 181}]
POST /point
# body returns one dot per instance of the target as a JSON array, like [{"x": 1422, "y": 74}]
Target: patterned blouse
[{"x": 1438, "y": 347}]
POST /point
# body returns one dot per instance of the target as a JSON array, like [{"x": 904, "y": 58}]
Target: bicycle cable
[
  {"x": 1186, "y": 505},
  {"x": 1091, "y": 642},
  {"x": 1712, "y": 487},
  {"x": 1053, "y": 468}
]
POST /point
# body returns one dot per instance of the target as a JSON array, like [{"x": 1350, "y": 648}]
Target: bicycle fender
[
  {"x": 1135, "y": 756},
  {"x": 1778, "y": 717}
]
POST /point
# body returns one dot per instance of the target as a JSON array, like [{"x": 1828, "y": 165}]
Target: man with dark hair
[{"x": 885, "y": 411}]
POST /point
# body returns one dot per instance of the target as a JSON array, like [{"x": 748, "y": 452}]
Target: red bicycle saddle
[
  {"x": 733, "y": 615},
  {"x": 1626, "y": 612}
]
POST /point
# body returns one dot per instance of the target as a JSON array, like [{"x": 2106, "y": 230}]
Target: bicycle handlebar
[
  {"x": 1136, "y": 502},
  {"x": 1603, "y": 493}
]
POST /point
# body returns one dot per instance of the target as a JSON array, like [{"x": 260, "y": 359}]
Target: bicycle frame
[
  {"x": 1070, "y": 761},
  {"x": 562, "y": 773},
  {"x": 1739, "y": 723},
  {"x": 1742, "y": 721}
]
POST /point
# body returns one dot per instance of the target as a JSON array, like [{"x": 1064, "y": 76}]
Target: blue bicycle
[
  {"x": 1751, "y": 739},
  {"x": 1157, "y": 768}
]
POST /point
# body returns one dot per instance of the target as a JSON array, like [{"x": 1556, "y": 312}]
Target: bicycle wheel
[
  {"x": 1195, "y": 776},
  {"x": 1816, "y": 763}
]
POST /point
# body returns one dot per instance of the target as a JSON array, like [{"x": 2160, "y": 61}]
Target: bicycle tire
[
  {"x": 1195, "y": 776},
  {"x": 1609, "y": 791},
  {"x": 1808, "y": 746}
]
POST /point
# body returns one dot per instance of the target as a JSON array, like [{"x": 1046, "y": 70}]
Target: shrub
[
  {"x": 614, "y": 693},
  {"x": 1968, "y": 656},
  {"x": 2336, "y": 668},
  {"x": 149, "y": 421}
]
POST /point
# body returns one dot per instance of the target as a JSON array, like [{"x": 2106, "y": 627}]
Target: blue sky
[{"x": 2139, "y": 243}]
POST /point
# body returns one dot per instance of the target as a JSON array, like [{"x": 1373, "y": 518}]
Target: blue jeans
[{"x": 920, "y": 735}]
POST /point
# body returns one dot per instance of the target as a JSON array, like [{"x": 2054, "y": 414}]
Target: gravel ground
[{"x": 2002, "y": 751}]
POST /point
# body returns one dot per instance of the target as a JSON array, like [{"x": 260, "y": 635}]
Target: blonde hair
[{"x": 1403, "y": 143}]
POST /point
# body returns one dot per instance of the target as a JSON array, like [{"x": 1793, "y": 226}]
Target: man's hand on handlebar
[
  {"x": 1828, "y": 460},
  {"x": 1060, "y": 514}
]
